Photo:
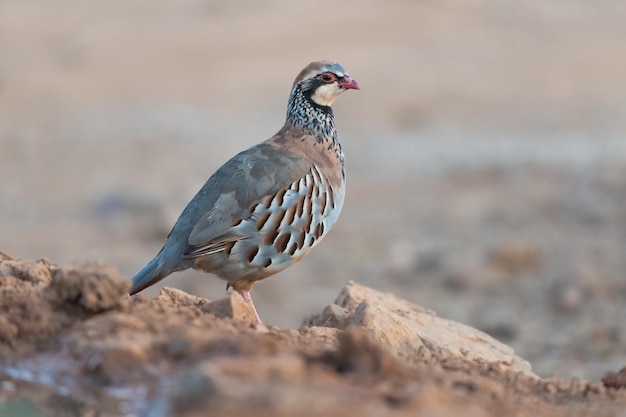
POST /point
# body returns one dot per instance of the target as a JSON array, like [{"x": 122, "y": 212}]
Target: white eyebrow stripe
[{"x": 315, "y": 73}]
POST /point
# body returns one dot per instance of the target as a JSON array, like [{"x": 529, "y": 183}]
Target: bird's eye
[{"x": 328, "y": 77}]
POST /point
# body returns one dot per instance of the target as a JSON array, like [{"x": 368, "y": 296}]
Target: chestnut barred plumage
[{"x": 269, "y": 205}]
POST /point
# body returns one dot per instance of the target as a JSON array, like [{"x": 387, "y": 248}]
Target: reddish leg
[{"x": 246, "y": 296}]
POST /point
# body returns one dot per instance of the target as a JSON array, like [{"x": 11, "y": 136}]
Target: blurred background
[{"x": 486, "y": 151}]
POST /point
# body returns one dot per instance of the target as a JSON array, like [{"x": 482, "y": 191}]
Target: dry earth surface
[
  {"x": 486, "y": 162},
  {"x": 75, "y": 344}
]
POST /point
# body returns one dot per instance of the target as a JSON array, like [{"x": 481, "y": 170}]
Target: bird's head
[{"x": 323, "y": 81}]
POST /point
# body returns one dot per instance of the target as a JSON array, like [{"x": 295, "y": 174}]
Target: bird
[{"x": 269, "y": 205}]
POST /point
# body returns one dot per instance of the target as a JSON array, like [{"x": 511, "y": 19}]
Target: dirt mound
[{"x": 73, "y": 342}]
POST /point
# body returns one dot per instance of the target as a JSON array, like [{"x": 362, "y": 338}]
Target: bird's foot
[{"x": 246, "y": 296}]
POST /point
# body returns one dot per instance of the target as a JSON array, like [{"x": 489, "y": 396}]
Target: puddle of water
[
  {"x": 52, "y": 385},
  {"x": 36, "y": 400},
  {"x": 22, "y": 407}
]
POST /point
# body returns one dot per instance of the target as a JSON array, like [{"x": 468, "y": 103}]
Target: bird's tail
[{"x": 150, "y": 274}]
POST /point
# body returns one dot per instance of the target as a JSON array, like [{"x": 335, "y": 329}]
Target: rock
[
  {"x": 8, "y": 330},
  {"x": 174, "y": 296},
  {"x": 325, "y": 336},
  {"x": 615, "y": 380},
  {"x": 358, "y": 352},
  {"x": 233, "y": 307},
  {"x": 332, "y": 316},
  {"x": 35, "y": 272},
  {"x": 94, "y": 287},
  {"x": 112, "y": 361},
  {"x": 25, "y": 313},
  {"x": 407, "y": 329},
  {"x": 274, "y": 386}
]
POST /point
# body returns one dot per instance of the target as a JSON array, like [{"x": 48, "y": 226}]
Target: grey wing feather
[{"x": 245, "y": 180}]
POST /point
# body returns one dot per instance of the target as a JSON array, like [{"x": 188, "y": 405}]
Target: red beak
[{"x": 349, "y": 84}]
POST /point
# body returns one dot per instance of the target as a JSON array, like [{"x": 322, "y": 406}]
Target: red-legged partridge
[{"x": 269, "y": 205}]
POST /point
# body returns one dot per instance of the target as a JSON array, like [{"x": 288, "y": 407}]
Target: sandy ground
[{"x": 486, "y": 152}]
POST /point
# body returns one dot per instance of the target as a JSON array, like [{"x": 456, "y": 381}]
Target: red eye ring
[{"x": 328, "y": 77}]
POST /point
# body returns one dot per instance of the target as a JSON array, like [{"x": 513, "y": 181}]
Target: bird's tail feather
[{"x": 152, "y": 273}]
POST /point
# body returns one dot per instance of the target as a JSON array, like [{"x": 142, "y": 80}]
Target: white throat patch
[{"x": 326, "y": 94}]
